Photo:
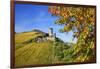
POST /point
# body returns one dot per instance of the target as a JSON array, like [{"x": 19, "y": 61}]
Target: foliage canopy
[{"x": 80, "y": 20}]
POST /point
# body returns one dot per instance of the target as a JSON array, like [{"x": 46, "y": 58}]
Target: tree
[{"x": 80, "y": 20}]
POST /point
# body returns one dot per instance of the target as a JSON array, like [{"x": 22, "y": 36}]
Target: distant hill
[
  {"x": 36, "y": 30},
  {"x": 39, "y": 31}
]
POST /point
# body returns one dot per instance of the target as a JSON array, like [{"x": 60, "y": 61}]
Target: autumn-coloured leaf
[{"x": 83, "y": 20}]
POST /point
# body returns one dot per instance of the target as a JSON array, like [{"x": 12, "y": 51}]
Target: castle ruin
[{"x": 51, "y": 34}]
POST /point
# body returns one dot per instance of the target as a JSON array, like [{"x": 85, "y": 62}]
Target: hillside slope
[{"x": 32, "y": 53}]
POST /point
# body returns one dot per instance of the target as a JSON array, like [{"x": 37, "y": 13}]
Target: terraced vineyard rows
[{"x": 33, "y": 53}]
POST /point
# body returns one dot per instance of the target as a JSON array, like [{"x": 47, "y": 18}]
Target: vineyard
[
  {"x": 32, "y": 53},
  {"x": 41, "y": 53}
]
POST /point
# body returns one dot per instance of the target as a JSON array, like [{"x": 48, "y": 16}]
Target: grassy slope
[{"x": 32, "y": 53}]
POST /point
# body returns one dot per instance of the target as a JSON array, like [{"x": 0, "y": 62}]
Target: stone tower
[
  {"x": 51, "y": 35},
  {"x": 50, "y": 32}
]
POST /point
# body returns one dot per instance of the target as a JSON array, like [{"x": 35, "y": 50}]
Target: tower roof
[{"x": 50, "y": 28}]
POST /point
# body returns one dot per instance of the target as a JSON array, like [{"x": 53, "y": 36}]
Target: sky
[{"x": 29, "y": 17}]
